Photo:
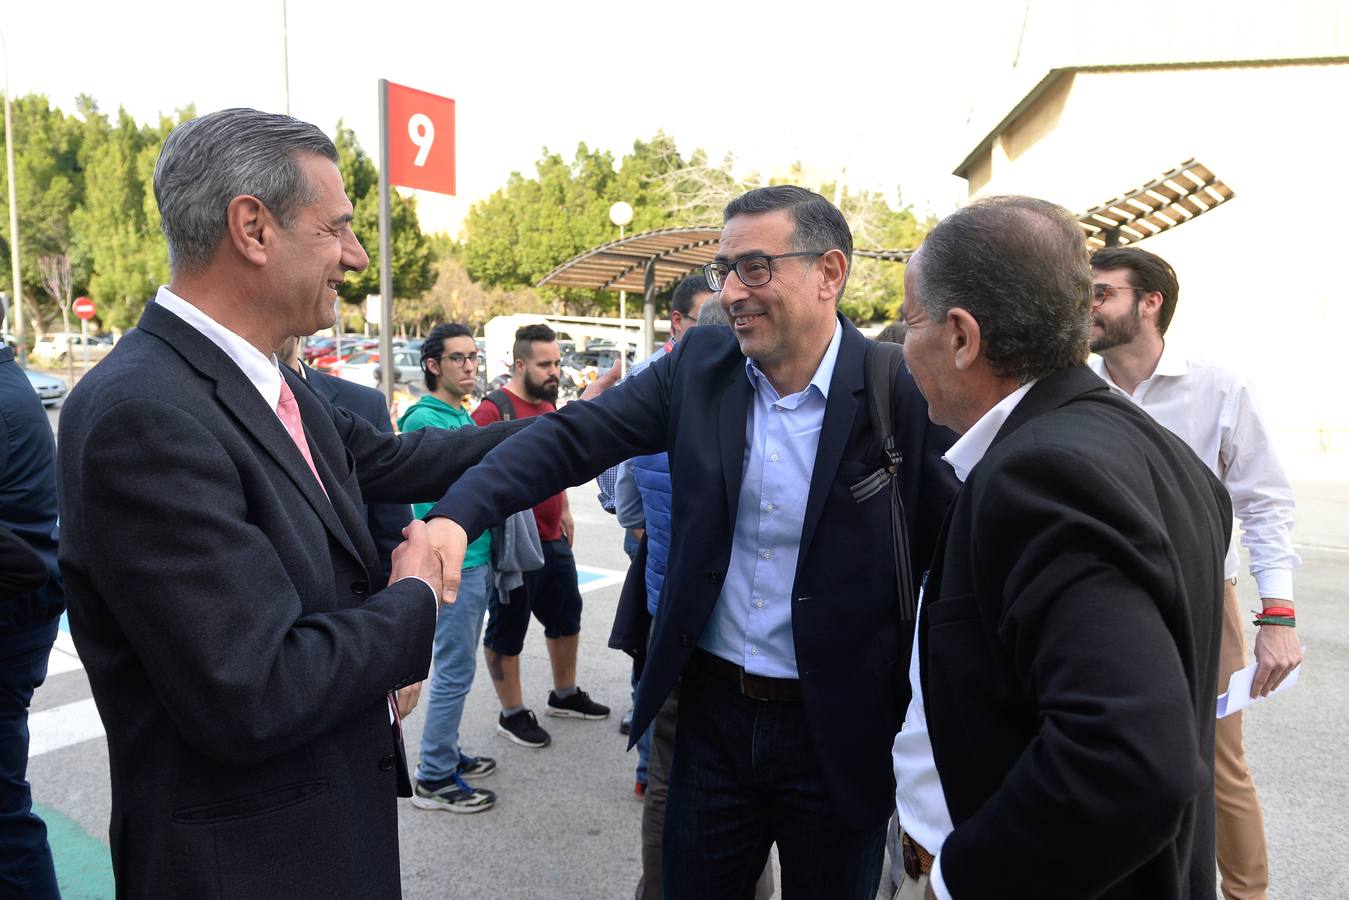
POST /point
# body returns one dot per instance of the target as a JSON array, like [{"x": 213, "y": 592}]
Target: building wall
[{"x": 1261, "y": 287}]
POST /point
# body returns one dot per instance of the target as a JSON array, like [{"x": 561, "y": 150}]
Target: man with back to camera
[
  {"x": 1059, "y": 741},
  {"x": 31, "y": 600},
  {"x": 225, "y": 594},
  {"x": 781, "y": 605},
  {"x": 551, "y": 593},
  {"x": 1212, "y": 409}
]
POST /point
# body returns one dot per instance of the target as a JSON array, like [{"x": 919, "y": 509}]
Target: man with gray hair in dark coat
[{"x": 241, "y": 640}]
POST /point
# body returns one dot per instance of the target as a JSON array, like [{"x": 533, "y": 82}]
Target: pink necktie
[{"x": 289, "y": 412}]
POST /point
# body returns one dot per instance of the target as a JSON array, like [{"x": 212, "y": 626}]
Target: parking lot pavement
[{"x": 566, "y": 822}]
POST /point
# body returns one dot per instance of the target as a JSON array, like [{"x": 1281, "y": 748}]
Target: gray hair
[
  {"x": 1019, "y": 266},
  {"x": 208, "y": 161},
  {"x": 711, "y": 313},
  {"x": 819, "y": 224}
]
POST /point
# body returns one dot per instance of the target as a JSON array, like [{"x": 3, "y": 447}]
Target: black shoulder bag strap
[
  {"x": 881, "y": 368},
  {"x": 503, "y": 403}
]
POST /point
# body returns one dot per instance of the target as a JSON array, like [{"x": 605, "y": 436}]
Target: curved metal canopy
[
  {"x": 621, "y": 265},
  {"x": 676, "y": 252}
]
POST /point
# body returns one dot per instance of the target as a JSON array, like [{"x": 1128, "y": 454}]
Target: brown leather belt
[
  {"x": 755, "y": 687},
  {"x": 917, "y": 861}
]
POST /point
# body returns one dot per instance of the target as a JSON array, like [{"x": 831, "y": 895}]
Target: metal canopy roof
[
  {"x": 1187, "y": 191},
  {"x": 621, "y": 265}
]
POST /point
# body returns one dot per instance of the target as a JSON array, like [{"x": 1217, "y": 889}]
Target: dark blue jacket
[
  {"x": 852, "y": 645},
  {"x": 652, "y": 474},
  {"x": 28, "y": 495}
]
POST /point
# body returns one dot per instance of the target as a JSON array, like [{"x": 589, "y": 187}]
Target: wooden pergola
[{"x": 1166, "y": 202}]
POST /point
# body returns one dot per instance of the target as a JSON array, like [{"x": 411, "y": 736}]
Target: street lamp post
[
  {"x": 20, "y": 356},
  {"x": 621, "y": 215}
]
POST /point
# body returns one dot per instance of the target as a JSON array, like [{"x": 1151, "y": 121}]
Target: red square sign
[{"x": 421, "y": 139}]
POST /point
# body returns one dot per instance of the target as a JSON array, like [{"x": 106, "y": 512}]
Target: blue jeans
[
  {"x": 25, "y": 858},
  {"x": 453, "y": 664},
  {"x": 745, "y": 776}
]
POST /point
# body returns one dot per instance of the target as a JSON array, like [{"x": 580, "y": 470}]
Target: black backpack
[
  {"x": 503, "y": 403},
  {"x": 882, "y": 364}
]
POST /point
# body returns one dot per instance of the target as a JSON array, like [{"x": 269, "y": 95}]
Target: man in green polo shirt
[{"x": 450, "y": 365}]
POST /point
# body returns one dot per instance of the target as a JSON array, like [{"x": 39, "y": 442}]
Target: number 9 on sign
[{"x": 422, "y": 132}]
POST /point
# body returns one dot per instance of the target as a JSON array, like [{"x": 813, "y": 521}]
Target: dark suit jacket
[
  {"x": 27, "y": 506},
  {"x": 232, "y": 622},
  {"x": 386, "y": 520},
  {"x": 1069, "y": 647},
  {"x": 852, "y": 649}
]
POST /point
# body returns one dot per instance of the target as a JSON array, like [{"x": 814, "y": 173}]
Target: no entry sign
[
  {"x": 421, "y": 139},
  {"x": 84, "y": 308}
]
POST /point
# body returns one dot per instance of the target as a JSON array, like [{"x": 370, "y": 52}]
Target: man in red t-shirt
[{"x": 551, "y": 592}]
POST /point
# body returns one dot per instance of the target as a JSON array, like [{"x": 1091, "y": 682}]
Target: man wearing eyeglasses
[
  {"x": 781, "y": 606},
  {"x": 449, "y": 360},
  {"x": 1213, "y": 410}
]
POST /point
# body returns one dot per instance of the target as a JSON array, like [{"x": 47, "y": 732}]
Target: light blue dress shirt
[{"x": 751, "y": 625}]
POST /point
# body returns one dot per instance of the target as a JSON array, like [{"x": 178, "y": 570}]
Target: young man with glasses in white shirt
[{"x": 1213, "y": 410}]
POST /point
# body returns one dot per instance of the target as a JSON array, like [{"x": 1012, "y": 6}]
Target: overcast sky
[{"x": 891, "y": 94}]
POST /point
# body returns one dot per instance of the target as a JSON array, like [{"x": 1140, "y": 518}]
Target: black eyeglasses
[
  {"x": 1103, "y": 292},
  {"x": 458, "y": 359},
  {"x": 753, "y": 271}
]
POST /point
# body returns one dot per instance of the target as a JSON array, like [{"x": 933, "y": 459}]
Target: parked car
[
  {"x": 316, "y": 347},
  {"x": 51, "y": 391},
  {"x": 54, "y": 345},
  {"x": 331, "y": 362},
  {"x": 365, "y": 368}
]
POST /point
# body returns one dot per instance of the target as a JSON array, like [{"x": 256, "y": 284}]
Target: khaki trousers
[{"x": 1242, "y": 856}]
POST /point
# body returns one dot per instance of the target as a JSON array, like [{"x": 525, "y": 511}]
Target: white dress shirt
[
  {"x": 919, "y": 798},
  {"x": 258, "y": 368},
  {"x": 1213, "y": 409}
]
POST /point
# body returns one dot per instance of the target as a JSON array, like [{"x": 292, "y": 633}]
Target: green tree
[
  {"x": 49, "y": 183},
  {"x": 411, "y": 250},
  {"x": 876, "y": 287},
  {"x": 117, "y": 244},
  {"x": 532, "y": 225}
]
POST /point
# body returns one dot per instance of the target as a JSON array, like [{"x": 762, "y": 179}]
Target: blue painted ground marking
[{"x": 83, "y": 863}]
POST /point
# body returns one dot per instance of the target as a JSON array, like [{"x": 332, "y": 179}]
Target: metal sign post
[
  {"x": 416, "y": 150},
  {"x": 85, "y": 309},
  {"x": 385, "y": 241}
]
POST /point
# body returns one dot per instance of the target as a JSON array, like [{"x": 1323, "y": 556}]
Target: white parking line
[
  {"x": 64, "y": 657},
  {"x": 599, "y": 578},
  {"x": 62, "y": 726}
]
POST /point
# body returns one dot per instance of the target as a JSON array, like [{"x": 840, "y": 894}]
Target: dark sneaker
[
  {"x": 577, "y": 706},
  {"x": 523, "y": 728},
  {"x": 452, "y": 795},
  {"x": 476, "y": 766}
]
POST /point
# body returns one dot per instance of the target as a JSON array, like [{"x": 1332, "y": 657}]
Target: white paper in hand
[{"x": 1238, "y": 695}]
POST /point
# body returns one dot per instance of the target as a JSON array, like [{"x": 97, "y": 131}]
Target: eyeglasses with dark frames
[
  {"x": 754, "y": 270},
  {"x": 458, "y": 359},
  {"x": 1102, "y": 292}
]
